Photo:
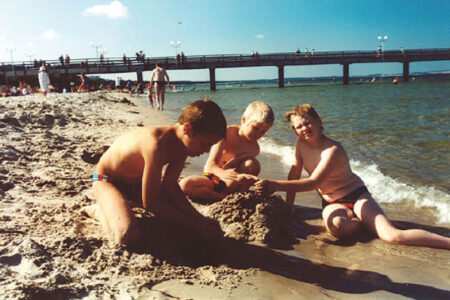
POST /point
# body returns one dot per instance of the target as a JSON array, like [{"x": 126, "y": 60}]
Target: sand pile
[{"x": 251, "y": 217}]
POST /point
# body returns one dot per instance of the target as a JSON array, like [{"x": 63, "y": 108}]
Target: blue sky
[{"x": 48, "y": 28}]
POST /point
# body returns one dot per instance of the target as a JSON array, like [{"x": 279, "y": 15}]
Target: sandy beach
[{"x": 48, "y": 250}]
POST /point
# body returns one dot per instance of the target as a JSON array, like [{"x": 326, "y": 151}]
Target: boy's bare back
[{"x": 125, "y": 160}]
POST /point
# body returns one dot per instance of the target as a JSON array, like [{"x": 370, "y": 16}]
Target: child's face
[
  {"x": 306, "y": 126},
  {"x": 253, "y": 130},
  {"x": 201, "y": 143}
]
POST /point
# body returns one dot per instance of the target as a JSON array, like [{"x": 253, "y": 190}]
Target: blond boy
[
  {"x": 232, "y": 165},
  {"x": 346, "y": 202},
  {"x": 134, "y": 163}
]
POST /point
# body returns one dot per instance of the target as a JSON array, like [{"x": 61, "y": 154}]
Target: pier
[{"x": 27, "y": 69}]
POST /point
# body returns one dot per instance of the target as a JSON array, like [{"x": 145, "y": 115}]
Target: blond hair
[{"x": 259, "y": 112}]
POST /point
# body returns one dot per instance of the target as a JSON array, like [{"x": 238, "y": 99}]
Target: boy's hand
[
  {"x": 229, "y": 174},
  {"x": 264, "y": 187}
]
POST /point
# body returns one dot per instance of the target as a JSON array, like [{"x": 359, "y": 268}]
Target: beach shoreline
[{"x": 47, "y": 249}]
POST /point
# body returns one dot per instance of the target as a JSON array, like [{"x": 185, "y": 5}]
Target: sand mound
[{"x": 253, "y": 218}]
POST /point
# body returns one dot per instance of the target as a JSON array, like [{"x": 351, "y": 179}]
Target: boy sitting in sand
[
  {"x": 232, "y": 166},
  {"x": 134, "y": 165},
  {"x": 346, "y": 202}
]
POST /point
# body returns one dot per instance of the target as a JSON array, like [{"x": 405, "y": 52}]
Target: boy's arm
[
  {"x": 167, "y": 77},
  {"x": 151, "y": 179},
  {"x": 321, "y": 172},
  {"x": 212, "y": 164},
  {"x": 294, "y": 174},
  {"x": 151, "y": 79}
]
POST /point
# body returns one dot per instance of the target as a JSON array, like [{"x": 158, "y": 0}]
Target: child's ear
[{"x": 187, "y": 128}]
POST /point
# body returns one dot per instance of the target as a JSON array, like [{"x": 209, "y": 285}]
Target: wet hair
[
  {"x": 205, "y": 117},
  {"x": 302, "y": 110},
  {"x": 259, "y": 112},
  {"x": 158, "y": 64}
]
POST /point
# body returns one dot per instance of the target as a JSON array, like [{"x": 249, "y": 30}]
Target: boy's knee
[
  {"x": 186, "y": 185},
  {"x": 340, "y": 227},
  {"x": 392, "y": 236},
  {"x": 250, "y": 166},
  {"x": 127, "y": 235}
]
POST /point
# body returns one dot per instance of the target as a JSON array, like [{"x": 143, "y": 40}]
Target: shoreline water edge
[{"x": 48, "y": 148}]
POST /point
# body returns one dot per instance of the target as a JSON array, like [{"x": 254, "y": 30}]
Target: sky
[{"x": 46, "y": 29}]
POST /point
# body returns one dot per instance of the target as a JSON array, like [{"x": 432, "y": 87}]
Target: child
[
  {"x": 134, "y": 163},
  {"x": 232, "y": 166},
  {"x": 346, "y": 202}
]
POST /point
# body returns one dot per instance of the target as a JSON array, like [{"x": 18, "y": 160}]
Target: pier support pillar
[
  {"x": 280, "y": 76},
  {"x": 139, "y": 76},
  {"x": 212, "y": 79},
  {"x": 406, "y": 71},
  {"x": 345, "y": 77}
]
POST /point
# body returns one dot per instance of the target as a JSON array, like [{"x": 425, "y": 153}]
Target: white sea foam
[{"x": 383, "y": 188}]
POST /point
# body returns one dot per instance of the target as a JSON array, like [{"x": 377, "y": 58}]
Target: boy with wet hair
[
  {"x": 346, "y": 202},
  {"x": 232, "y": 165},
  {"x": 133, "y": 168}
]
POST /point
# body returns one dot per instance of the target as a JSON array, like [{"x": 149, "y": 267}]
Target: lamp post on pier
[
  {"x": 176, "y": 46},
  {"x": 97, "y": 46},
  {"x": 381, "y": 39}
]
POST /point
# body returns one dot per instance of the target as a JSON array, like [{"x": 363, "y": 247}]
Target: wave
[{"x": 383, "y": 188}]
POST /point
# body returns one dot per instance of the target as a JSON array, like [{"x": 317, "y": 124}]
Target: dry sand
[{"x": 48, "y": 148}]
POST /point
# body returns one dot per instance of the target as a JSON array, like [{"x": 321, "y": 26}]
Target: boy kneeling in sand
[
  {"x": 346, "y": 202},
  {"x": 232, "y": 166},
  {"x": 135, "y": 161}
]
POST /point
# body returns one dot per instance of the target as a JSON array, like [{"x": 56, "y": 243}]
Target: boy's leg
[
  {"x": 196, "y": 186},
  {"x": 116, "y": 216},
  {"x": 249, "y": 166},
  {"x": 372, "y": 216},
  {"x": 339, "y": 220},
  {"x": 157, "y": 95},
  {"x": 162, "y": 92}
]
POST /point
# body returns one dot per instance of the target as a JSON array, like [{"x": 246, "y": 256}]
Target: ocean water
[{"x": 396, "y": 136}]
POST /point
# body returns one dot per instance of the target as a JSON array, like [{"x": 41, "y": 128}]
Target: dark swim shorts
[{"x": 349, "y": 199}]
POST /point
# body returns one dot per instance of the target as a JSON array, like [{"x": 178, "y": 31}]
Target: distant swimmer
[
  {"x": 395, "y": 81},
  {"x": 192, "y": 89},
  {"x": 159, "y": 75},
  {"x": 373, "y": 79}
]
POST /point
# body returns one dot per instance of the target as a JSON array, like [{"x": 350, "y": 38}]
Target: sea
[{"x": 397, "y": 136}]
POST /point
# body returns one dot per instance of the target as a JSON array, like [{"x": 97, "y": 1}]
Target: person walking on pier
[{"x": 159, "y": 75}]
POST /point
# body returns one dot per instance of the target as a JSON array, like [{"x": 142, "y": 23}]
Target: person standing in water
[{"x": 159, "y": 75}]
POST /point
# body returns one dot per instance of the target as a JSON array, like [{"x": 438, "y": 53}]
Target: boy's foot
[{"x": 91, "y": 211}]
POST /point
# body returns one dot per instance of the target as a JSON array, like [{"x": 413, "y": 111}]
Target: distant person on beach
[
  {"x": 44, "y": 80},
  {"x": 232, "y": 165},
  {"x": 159, "y": 75},
  {"x": 132, "y": 170},
  {"x": 346, "y": 202},
  {"x": 84, "y": 85}
]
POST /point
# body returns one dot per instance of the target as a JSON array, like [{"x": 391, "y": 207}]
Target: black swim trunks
[
  {"x": 349, "y": 199},
  {"x": 161, "y": 83},
  {"x": 131, "y": 191}
]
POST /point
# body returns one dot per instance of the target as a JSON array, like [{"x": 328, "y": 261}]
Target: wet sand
[{"x": 48, "y": 149}]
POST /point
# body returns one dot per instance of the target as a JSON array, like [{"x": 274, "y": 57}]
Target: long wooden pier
[{"x": 213, "y": 62}]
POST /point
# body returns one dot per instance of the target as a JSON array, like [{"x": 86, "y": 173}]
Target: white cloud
[
  {"x": 114, "y": 10},
  {"x": 259, "y": 36},
  {"x": 49, "y": 34}
]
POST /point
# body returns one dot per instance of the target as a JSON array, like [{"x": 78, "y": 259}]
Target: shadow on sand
[{"x": 180, "y": 247}]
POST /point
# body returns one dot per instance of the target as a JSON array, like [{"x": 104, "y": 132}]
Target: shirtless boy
[
  {"x": 136, "y": 160},
  {"x": 346, "y": 202},
  {"x": 232, "y": 166},
  {"x": 159, "y": 75}
]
